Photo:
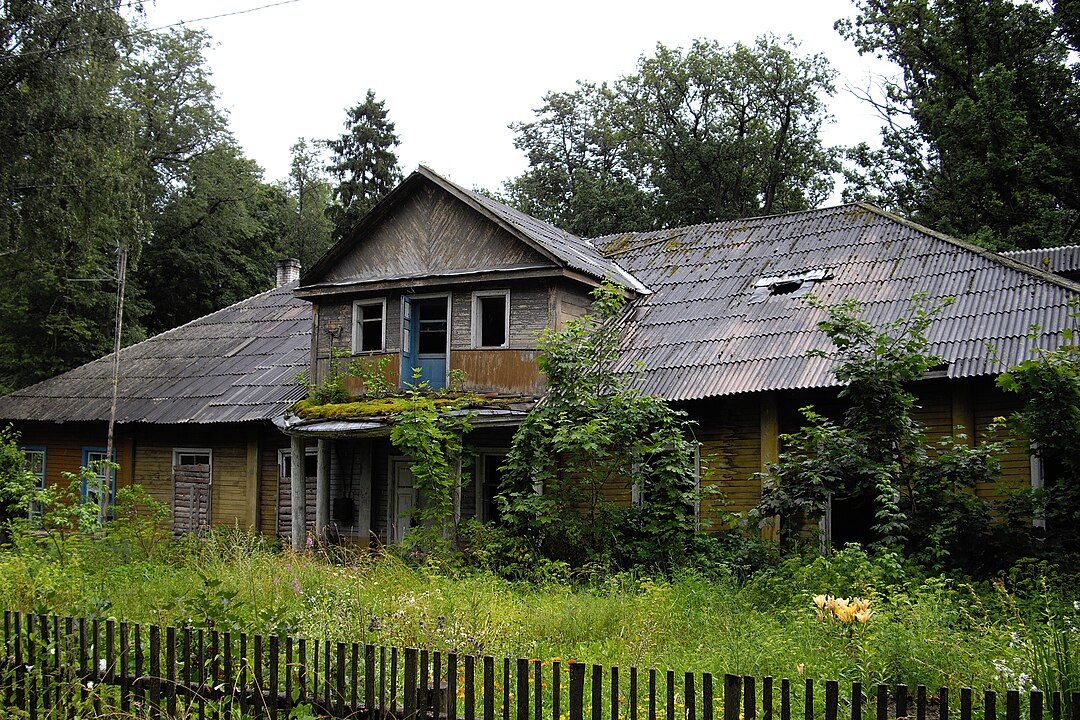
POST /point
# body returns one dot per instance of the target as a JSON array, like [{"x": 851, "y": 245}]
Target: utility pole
[{"x": 110, "y": 475}]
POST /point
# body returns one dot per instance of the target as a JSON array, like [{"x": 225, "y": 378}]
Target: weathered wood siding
[
  {"x": 64, "y": 447},
  {"x": 570, "y": 302},
  {"x": 512, "y": 369},
  {"x": 507, "y": 371},
  {"x": 432, "y": 233}
]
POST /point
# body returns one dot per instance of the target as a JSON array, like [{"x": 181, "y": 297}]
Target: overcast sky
[{"x": 455, "y": 74}]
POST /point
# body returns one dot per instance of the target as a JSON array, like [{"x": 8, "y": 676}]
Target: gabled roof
[
  {"x": 233, "y": 365},
  {"x": 728, "y": 313},
  {"x": 560, "y": 247}
]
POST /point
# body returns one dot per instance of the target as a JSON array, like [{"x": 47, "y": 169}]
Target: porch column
[
  {"x": 322, "y": 490},
  {"x": 363, "y": 492},
  {"x": 299, "y": 503}
]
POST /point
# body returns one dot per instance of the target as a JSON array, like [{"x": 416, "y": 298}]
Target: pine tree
[{"x": 364, "y": 163}]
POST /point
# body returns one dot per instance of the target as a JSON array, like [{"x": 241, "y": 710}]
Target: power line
[
  {"x": 220, "y": 15},
  {"x": 138, "y": 31}
]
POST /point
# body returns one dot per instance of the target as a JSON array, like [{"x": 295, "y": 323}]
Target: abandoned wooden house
[{"x": 446, "y": 283}]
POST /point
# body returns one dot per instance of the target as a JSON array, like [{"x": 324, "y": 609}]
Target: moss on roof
[{"x": 368, "y": 408}]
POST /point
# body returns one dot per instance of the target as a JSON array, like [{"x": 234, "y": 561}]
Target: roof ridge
[{"x": 997, "y": 257}]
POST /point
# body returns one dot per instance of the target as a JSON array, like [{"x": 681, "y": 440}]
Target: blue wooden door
[{"x": 425, "y": 340}]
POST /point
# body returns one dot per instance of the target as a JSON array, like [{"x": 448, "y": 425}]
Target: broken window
[
  {"x": 789, "y": 285},
  {"x": 368, "y": 335}
]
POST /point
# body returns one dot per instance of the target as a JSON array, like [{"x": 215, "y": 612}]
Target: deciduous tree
[
  {"x": 983, "y": 123},
  {"x": 709, "y": 133}
]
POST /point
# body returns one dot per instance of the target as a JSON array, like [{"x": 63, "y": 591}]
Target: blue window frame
[
  {"x": 35, "y": 465},
  {"x": 92, "y": 455}
]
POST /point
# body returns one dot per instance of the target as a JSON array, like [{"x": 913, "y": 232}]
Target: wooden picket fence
[{"x": 63, "y": 667}]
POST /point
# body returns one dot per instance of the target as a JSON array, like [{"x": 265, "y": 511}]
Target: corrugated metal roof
[
  {"x": 234, "y": 365},
  {"x": 1063, "y": 259},
  {"x": 698, "y": 335}
]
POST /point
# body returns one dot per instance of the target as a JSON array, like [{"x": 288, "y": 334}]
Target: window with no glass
[
  {"x": 491, "y": 318},
  {"x": 368, "y": 335}
]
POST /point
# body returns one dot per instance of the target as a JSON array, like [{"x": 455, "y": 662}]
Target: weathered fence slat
[{"x": 51, "y": 669}]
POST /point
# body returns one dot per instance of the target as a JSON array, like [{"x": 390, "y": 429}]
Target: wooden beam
[
  {"x": 363, "y": 491},
  {"x": 322, "y": 490},
  {"x": 769, "y": 433},
  {"x": 963, "y": 412},
  {"x": 299, "y": 503},
  {"x": 252, "y": 477}
]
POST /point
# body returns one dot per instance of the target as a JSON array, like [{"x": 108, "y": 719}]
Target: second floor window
[
  {"x": 368, "y": 326},
  {"x": 491, "y": 319}
]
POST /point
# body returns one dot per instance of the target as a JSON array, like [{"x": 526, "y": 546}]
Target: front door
[
  {"x": 403, "y": 492},
  {"x": 425, "y": 340}
]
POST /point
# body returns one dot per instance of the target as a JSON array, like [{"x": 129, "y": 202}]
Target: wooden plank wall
[
  {"x": 64, "y": 446},
  {"x": 729, "y": 432},
  {"x": 431, "y": 233}
]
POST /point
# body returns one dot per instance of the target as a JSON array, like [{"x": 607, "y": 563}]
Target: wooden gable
[{"x": 428, "y": 234}]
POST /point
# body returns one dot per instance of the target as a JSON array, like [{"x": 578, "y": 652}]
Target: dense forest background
[{"x": 112, "y": 144}]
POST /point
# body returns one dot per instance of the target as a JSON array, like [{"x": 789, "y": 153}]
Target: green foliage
[
  {"x": 709, "y": 133},
  {"x": 66, "y": 511},
  {"x": 16, "y": 482},
  {"x": 921, "y": 492},
  {"x": 332, "y": 389},
  {"x": 431, "y": 436},
  {"x": 983, "y": 132},
  {"x": 141, "y": 520},
  {"x": 595, "y": 435},
  {"x": 1049, "y": 386},
  {"x": 364, "y": 163},
  {"x": 309, "y": 191},
  {"x": 373, "y": 372}
]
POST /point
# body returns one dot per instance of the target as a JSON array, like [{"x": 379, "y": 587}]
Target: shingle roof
[
  {"x": 705, "y": 331},
  {"x": 234, "y": 365}
]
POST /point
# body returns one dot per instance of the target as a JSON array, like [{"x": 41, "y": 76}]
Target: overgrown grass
[{"x": 925, "y": 630}]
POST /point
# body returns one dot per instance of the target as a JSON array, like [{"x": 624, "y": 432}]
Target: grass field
[{"x": 923, "y": 630}]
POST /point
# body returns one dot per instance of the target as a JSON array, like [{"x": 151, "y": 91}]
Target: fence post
[
  {"x": 832, "y": 699},
  {"x": 409, "y": 686},
  {"x": 689, "y": 697},
  {"x": 556, "y": 690},
  {"x": 577, "y": 691},
  {"x": 706, "y": 696},
  {"x": 522, "y": 689},
  {"x": 732, "y": 691}
]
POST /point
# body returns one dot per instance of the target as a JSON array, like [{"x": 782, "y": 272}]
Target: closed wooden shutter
[{"x": 191, "y": 498}]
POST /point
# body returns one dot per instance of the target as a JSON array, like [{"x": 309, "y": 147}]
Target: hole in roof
[
  {"x": 793, "y": 285},
  {"x": 785, "y": 288}
]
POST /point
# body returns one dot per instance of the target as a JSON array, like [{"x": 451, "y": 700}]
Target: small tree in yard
[
  {"x": 1050, "y": 387},
  {"x": 594, "y": 437},
  {"x": 921, "y": 492}
]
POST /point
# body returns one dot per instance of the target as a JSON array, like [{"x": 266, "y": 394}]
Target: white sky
[{"x": 455, "y": 74}]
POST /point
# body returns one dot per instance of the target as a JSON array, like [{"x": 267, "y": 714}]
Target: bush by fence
[{"x": 57, "y": 667}]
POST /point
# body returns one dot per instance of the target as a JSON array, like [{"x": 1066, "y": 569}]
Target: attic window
[{"x": 790, "y": 285}]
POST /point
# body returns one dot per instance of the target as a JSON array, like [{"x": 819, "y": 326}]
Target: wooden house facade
[{"x": 446, "y": 286}]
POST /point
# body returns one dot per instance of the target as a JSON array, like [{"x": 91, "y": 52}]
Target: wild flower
[{"x": 842, "y": 609}]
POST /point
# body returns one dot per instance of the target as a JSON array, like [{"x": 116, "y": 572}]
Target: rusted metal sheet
[{"x": 503, "y": 371}]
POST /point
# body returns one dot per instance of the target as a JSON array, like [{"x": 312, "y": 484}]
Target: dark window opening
[
  {"x": 432, "y": 326},
  {"x": 369, "y": 328},
  {"x": 492, "y": 321},
  {"x": 492, "y": 479}
]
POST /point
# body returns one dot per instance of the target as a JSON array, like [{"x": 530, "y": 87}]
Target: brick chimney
[{"x": 288, "y": 270}]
